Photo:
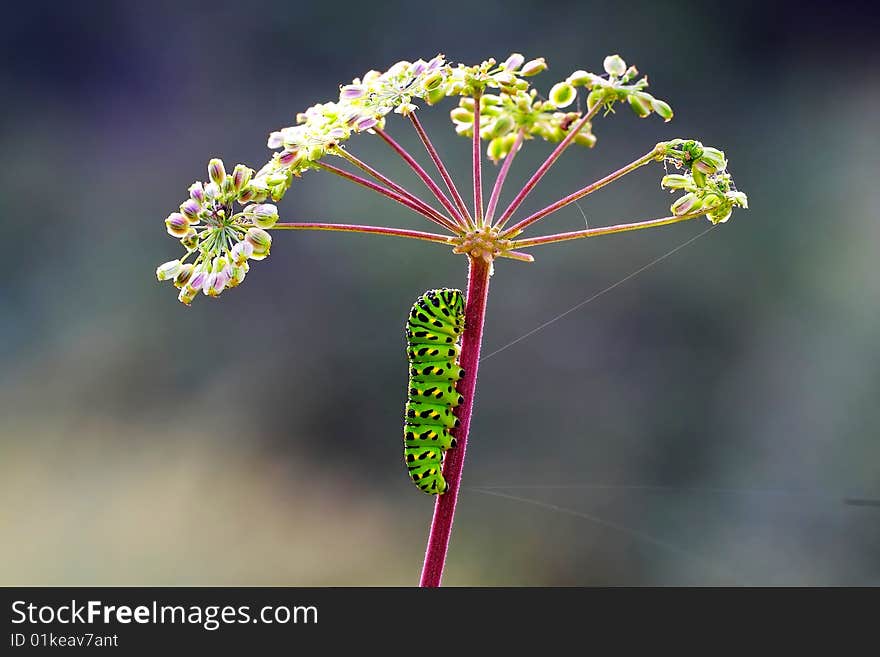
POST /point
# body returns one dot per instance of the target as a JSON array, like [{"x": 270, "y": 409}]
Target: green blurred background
[{"x": 703, "y": 423}]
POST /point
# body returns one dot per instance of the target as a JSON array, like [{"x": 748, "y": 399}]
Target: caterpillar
[{"x": 432, "y": 332}]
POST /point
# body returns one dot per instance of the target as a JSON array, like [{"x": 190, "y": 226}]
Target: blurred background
[{"x": 712, "y": 420}]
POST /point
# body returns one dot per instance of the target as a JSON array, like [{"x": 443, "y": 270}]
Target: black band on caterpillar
[{"x": 432, "y": 333}]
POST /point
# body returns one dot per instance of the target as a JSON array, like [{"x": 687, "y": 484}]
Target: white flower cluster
[
  {"x": 224, "y": 240},
  {"x": 362, "y": 106}
]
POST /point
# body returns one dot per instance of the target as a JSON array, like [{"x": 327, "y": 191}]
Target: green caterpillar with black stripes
[{"x": 432, "y": 333}]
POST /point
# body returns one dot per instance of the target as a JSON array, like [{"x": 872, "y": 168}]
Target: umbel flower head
[
  {"x": 221, "y": 238},
  {"x": 224, "y": 222}
]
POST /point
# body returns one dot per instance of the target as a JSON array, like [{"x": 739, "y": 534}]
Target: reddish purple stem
[
  {"x": 421, "y": 173},
  {"x": 444, "y": 508}
]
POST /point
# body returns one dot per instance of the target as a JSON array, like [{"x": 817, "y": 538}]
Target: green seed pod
[
  {"x": 500, "y": 127},
  {"x": 467, "y": 103},
  {"x": 580, "y": 79},
  {"x": 663, "y": 110},
  {"x": 687, "y": 204},
  {"x": 436, "y": 94},
  {"x": 497, "y": 149},
  {"x": 614, "y": 65},
  {"x": 533, "y": 67},
  {"x": 562, "y": 94},
  {"x": 699, "y": 177},
  {"x": 675, "y": 181},
  {"x": 587, "y": 139},
  {"x": 597, "y": 97},
  {"x": 640, "y": 105},
  {"x": 461, "y": 115}
]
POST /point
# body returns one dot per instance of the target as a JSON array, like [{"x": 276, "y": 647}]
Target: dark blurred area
[{"x": 700, "y": 424}]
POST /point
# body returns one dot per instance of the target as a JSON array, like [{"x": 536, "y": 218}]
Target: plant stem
[
  {"x": 605, "y": 230},
  {"x": 478, "y": 165},
  {"x": 444, "y": 508},
  {"x": 423, "y": 175},
  {"x": 366, "y": 168},
  {"x": 381, "y": 190},
  {"x": 502, "y": 175},
  {"x": 450, "y": 185},
  {"x": 589, "y": 189},
  {"x": 559, "y": 150},
  {"x": 377, "y": 230}
]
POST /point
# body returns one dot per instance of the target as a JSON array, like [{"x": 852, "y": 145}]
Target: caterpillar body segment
[{"x": 433, "y": 331}]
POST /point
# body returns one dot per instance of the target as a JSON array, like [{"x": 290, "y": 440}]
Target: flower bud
[
  {"x": 686, "y": 205},
  {"x": 190, "y": 209},
  {"x": 261, "y": 241},
  {"x": 614, "y": 65},
  {"x": 168, "y": 270},
  {"x": 351, "y": 92},
  {"x": 663, "y": 110},
  {"x": 191, "y": 240},
  {"x": 237, "y": 277},
  {"x": 197, "y": 192},
  {"x": 704, "y": 167},
  {"x": 216, "y": 171},
  {"x": 513, "y": 62},
  {"x": 176, "y": 224},
  {"x": 276, "y": 140},
  {"x": 562, "y": 94},
  {"x": 199, "y": 273},
  {"x": 265, "y": 215},
  {"x": 187, "y": 294},
  {"x": 212, "y": 191},
  {"x": 639, "y": 105},
  {"x": 241, "y": 176},
  {"x": 241, "y": 251},
  {"x": 183, "y": 275},
  {"x": 533, "y": 67}
]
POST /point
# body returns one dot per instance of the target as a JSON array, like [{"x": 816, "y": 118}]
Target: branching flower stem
[
  {"x": 589, "y": 189},
  {"x": 376, "y": 230},
  {"x": 502, "y": 176},
  {"x": 424, "y": 176},
  {"x": 363, "y": 166},
  {"x": 478, "y": 165},
  {"x": 444, "y": 509},
  {"x": 605, "y": 230},
  {"x": 384, "y": 192},
  {"x": 557, "y": 152},
  {"x": 441, "y": 168}
]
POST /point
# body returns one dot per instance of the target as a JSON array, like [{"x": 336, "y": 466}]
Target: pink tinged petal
[
  {"x": 366, "y": 124},
  {"x": 198, "y": 278},
  {"x": 197, "y": 192},
  {"x": 287, "y": 157},
  {"x": 351, "y": 91},
  {"x": 190, "y": 209},
  {"x": 513, "y": 62},
  {"x": 275, "y": 140}
]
